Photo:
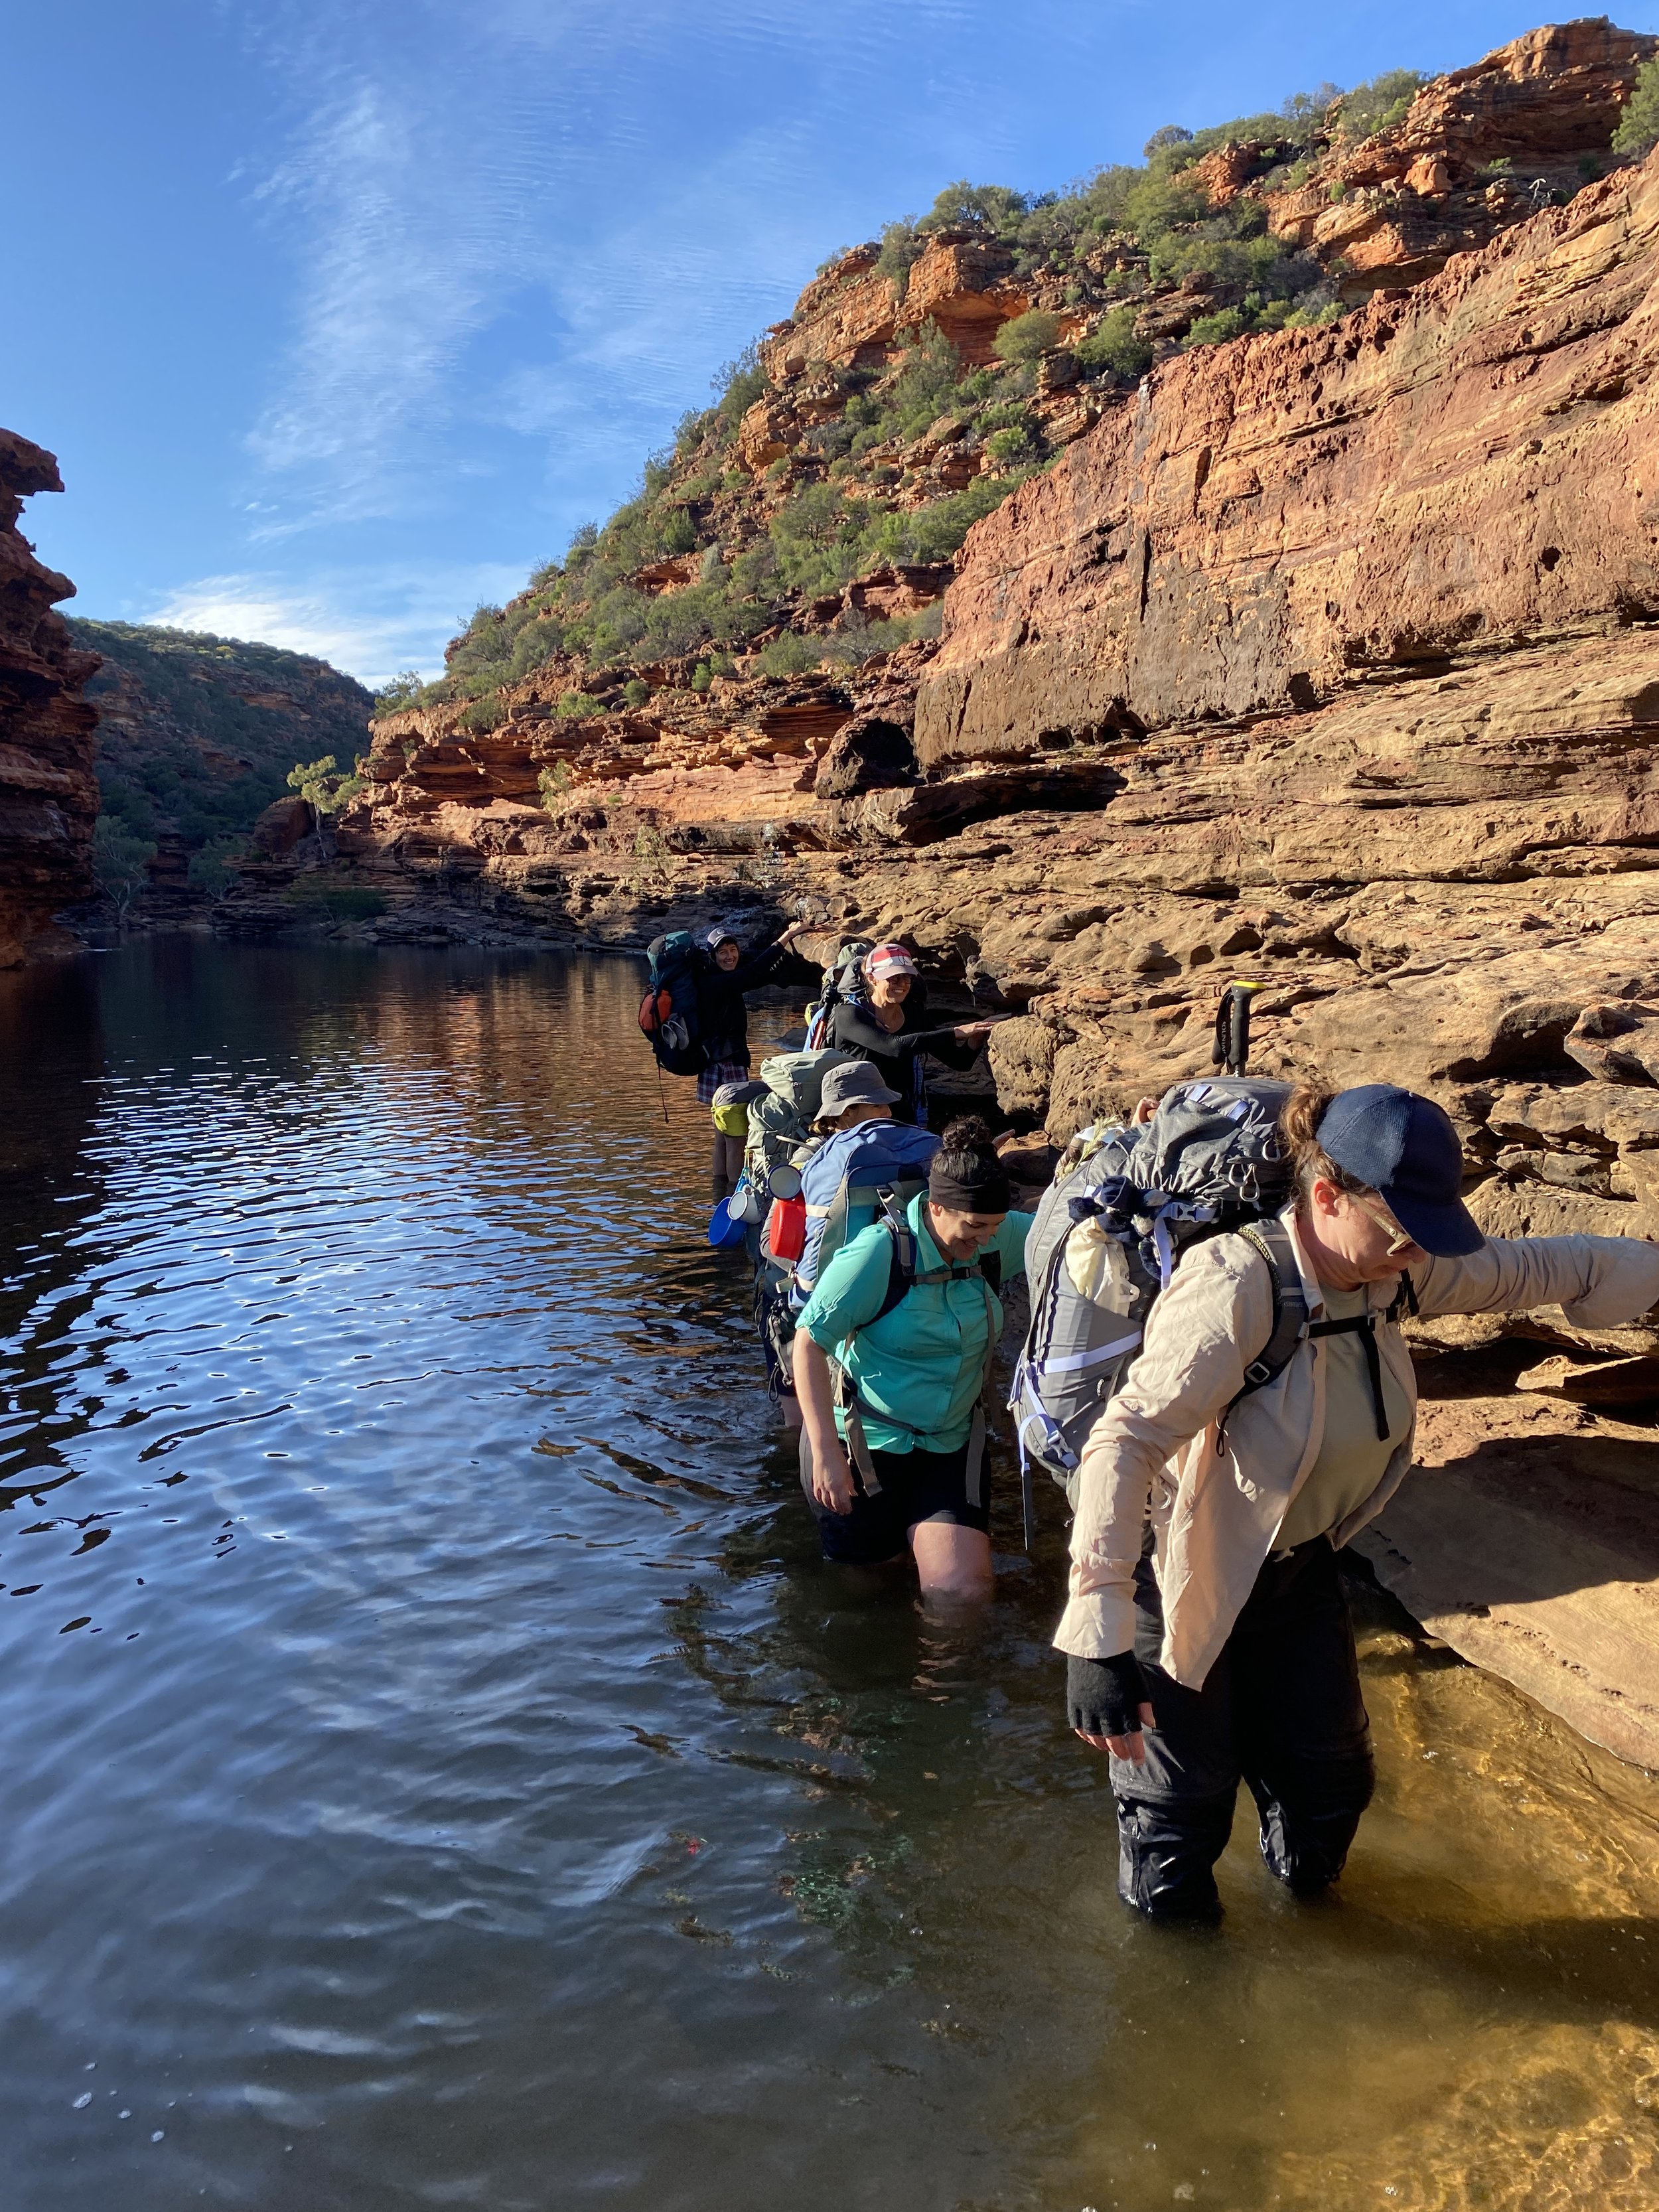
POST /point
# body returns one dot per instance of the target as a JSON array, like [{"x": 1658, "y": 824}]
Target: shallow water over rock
[{"x": 440, "y": 1771}]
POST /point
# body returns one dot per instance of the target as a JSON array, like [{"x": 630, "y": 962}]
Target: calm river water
[{"x": 438, "y": 1771}]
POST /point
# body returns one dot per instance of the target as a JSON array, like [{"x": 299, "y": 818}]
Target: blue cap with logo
[{"x": 1406, "y": 1148}]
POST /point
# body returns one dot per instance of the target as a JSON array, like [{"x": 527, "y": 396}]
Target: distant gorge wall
[{"x": 48, "y": 794}]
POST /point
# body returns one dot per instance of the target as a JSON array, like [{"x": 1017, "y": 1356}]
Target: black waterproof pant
[{"x": 1282, "y": 1707}]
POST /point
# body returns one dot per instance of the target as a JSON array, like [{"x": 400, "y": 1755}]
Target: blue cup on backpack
[{"x": 725, "y": 1229}]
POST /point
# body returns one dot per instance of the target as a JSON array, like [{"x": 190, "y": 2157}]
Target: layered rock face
[
  {"x": 1363, "y": 620},
  {"x": 48, "y": 796},
  {"x": 1444, "y": 473}
]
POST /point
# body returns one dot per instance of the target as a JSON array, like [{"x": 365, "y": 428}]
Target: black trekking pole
[{"x": 1232, "y": 1027}]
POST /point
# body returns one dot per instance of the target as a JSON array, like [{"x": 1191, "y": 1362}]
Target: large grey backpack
[
  {"x": 781, "y": 1119},
  {"x": 1108, "y": 1235}
]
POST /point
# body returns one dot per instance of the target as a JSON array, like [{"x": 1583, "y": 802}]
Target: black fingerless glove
[{"x": 1104, "y": 1697}]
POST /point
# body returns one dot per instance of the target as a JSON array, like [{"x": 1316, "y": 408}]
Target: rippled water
[{"x": 439, "y": 1771}]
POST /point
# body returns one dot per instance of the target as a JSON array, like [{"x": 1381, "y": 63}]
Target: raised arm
[
  {"x": 957, "y": 1045},
  {"x": 1598, "y": 1281},
  {"x": 777, "y": 962}
]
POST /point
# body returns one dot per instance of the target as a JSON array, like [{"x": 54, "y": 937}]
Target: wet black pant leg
[
  {"x": 1303, "y": 1735},
  {"x": 1175, "y": 1813}
]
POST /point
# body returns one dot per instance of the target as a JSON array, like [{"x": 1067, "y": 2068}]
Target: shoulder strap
[
  {"x": 1364, "y": 1325},
  {"x": 901, "y": 1264},
  {"x": 1272, "y": 1241},
  {"x": 901, "y": 1281}
]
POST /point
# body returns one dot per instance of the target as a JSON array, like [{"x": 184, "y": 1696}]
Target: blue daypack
[{"x": 843, "y": 1184}]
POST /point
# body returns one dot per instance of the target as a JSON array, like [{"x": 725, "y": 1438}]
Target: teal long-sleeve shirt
[{"x": 918, "y": 1368}]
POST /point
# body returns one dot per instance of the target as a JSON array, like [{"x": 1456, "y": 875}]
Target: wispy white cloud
[
  {"x": 369, "y": 622},
  {"x": 521, "y": 234},
  {"x": 564, "y": 198}
]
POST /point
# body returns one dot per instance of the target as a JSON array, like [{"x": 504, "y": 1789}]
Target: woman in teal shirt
[{"x": 890, "y": 1378}]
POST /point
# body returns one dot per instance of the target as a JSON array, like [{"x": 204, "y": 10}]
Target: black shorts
[{"x": 915, "y": 1486}]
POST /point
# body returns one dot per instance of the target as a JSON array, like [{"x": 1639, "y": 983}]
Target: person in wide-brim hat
[{"x": 1224, "y": 1649}]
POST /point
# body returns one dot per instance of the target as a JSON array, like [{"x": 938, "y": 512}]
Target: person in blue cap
[{"x": 1217, "y": 1647}]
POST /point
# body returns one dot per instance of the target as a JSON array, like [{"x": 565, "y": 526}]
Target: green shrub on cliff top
[
  {"x": 1114, "y": 346},
  {"x": 739, "y": 385},
  {"x": 1217, "y": 329},
  {"x": 1639, "y": 123},
  {"x": 399, "y": 691},
  {"x": 1028, "y": 336},
  {"x": 963, "y": 206},
  {"x": 901, "y": 246},
  {"x": 1377, "y": 106}
]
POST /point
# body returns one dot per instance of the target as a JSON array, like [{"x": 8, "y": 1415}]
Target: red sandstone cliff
[
  {"x": 1261, "y": 528},
  {"x": 1451, "y": 471},
  {"x": 48, "y": 797}
]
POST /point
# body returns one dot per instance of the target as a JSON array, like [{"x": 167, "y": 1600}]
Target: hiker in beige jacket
[{"x": 1218, "y": 1644}]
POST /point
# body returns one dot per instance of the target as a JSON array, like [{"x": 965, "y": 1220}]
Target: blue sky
[{"x": 341, "y": 314}]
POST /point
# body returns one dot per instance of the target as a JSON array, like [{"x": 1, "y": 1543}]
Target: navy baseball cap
[{"x": 1406, "y": 1148}]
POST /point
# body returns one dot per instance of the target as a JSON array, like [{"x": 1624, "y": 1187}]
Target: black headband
[{"x": 969, "y": 1183}]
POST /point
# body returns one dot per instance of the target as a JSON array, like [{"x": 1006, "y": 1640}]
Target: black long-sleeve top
[
  {"x": 855, "y": 1027},
  {"x": 722, "y": 1009}
]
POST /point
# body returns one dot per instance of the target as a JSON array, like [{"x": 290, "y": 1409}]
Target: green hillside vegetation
[
  {"x": 183, "y": 749},
  {"x": 1111, "y": 240}
]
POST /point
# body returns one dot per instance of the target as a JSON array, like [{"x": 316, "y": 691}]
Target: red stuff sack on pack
[{"x": 786, "y": 1229}]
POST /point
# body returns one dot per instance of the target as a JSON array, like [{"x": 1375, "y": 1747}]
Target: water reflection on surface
[{"x": 440, "y": 1771}]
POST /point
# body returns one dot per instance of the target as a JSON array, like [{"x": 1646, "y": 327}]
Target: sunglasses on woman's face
[{"x": 1399, "y": 1241}]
